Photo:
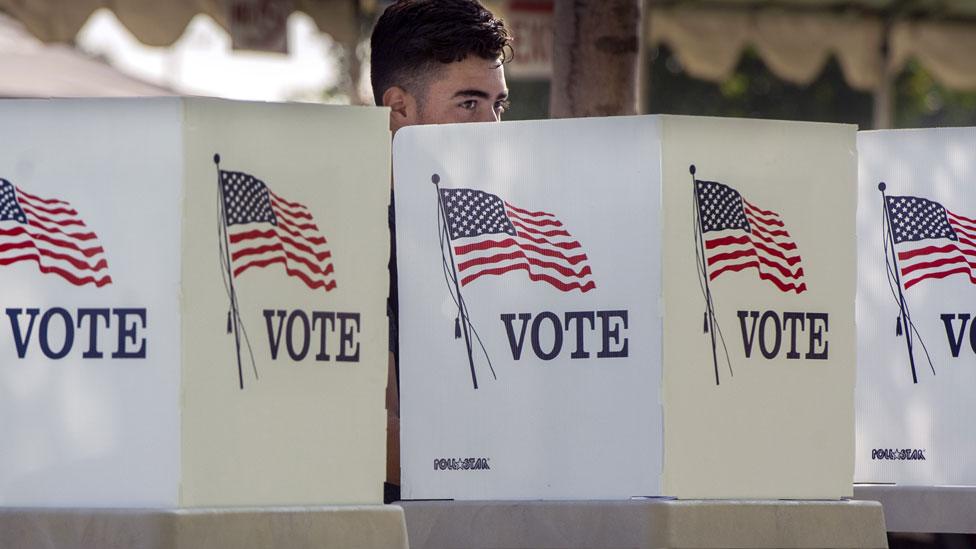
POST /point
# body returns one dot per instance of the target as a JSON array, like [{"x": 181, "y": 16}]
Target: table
[
  {"x": 644, "y": 523},
  {"x": 340, "y": 527}
]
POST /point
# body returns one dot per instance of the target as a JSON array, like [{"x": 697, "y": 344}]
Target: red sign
[{"x": 531, "y": 25}]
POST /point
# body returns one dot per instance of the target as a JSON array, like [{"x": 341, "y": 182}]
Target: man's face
[{"x": 472, "y": 90}]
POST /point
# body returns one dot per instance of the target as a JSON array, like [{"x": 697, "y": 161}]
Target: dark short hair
[{"x": 412, "y": 37}]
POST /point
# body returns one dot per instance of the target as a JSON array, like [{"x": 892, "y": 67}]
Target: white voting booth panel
[
  {"x": 134, "y": 370},
  {"x": 777, "y": 418},
  {"x": 916, "y": 303},
  {"x": 558, "y": 338},
  {"x": 566, "y": 414}
]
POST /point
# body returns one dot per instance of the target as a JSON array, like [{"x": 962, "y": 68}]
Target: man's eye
[
  {"x": 469, "y": 105},
  {"x": 502, "y": 106}
]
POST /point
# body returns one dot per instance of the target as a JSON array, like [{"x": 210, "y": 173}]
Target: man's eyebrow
[
  {"x": 479, "y": 94},
  {"x": 471, "y": 93}
]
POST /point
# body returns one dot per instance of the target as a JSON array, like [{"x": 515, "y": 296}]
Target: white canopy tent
[
  {"x": 36, "y": 69},
  {"x": 160, "y": 23},
  {"x": 872, "y": 39},
  {"x": 795, "y": 37}
]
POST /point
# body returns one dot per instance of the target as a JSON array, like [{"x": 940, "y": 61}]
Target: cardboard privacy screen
[
  {"x": 916, "y": 303},
  {"x": 178, "y": 332},
  {"x": 529, "y": 328},
  {"x": 581, "y": 317}
]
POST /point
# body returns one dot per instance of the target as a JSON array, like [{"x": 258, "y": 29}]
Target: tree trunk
[
  {"x": 884, "y": 92},
  {"x": 596, "y": 55}
]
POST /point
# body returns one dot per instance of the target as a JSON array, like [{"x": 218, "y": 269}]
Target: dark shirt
[{"x": 392, "y": 309}]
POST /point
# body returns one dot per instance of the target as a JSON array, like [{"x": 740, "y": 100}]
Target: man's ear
[{"x": 403, "y": 107}]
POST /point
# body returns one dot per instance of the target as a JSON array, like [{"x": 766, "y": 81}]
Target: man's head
[{"x": 439, "y": 61}]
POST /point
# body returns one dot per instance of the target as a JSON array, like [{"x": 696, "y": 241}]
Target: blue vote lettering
[
  {"x": 31, "y": 325},
  {"x": 297, "y": 328},
  {"x": 769, "y": 328},
  {"x": 956, "y": 339},
  {"x": 574, "y": 326}
]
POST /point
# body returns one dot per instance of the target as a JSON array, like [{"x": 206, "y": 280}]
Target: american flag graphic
[
  {"x": 493, "y": 237},
  {"x": 745, "y": 236},
  {"x": 265, "y": 229},
  {"x": 932, "y": 242},
  {"x": 50, "y": 233}
]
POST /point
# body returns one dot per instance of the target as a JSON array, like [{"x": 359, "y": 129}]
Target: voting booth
[
  {"x": 916, "y": 304},
  {"x": 194, "y": 303},
  {"x": 618, "y": 307}
]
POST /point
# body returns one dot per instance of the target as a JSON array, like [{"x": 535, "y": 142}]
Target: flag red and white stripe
[
  {"x": 266, "y": 229},
  {"x": 492, "y": 237},
  {"x": 932, "y": 242},
  {"x": 739, "y": 235},
  {"x": 50, "y": 233}
]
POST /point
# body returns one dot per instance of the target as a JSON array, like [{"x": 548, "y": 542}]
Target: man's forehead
[{"x": 482, "y": 76}]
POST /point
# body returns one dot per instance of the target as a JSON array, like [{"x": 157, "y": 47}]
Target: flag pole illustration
[
  {"x": 709, "y": 325},
  {"x": 732, "y": 235},
  {"x": 260, "y": 228},
  {"x": 462, "y": 310},
  {"x": 489, "y": 236},
  {"x": 233, "y": 317},
  {"x": 910, "y": 225},
  {"x": 52, "y": 234},
  {"x": 903, "y": 318}
]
